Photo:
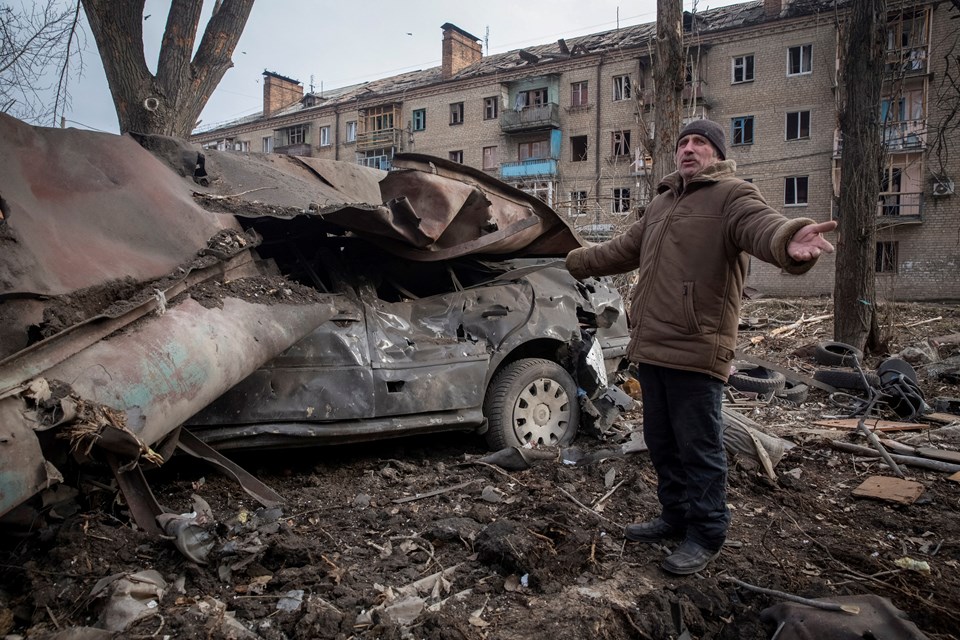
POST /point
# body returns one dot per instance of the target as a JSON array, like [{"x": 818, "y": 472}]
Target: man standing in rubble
[{"x": 691, "y": 249}]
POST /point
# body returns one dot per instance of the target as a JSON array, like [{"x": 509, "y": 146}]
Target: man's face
[{"x": 694, "y": 154}]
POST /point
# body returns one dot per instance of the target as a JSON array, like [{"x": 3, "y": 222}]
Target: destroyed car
[
  {"x": 157, "y": 297},
  {"x": 414, "y": 347}
]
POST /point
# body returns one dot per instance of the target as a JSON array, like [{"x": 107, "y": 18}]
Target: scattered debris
[{"x": 889, "y": 489}]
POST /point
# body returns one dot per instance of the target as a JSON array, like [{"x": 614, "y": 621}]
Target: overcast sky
[{"x": 331, "y": 43}]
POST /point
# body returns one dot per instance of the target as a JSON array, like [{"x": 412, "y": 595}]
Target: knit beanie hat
[{"x": 709, "y": 130}]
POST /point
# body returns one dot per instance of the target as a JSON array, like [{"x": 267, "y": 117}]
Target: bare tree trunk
[
  {"x": 855, "y": 320},
  {"x": 668, "y": 78},
  {"x": 169, "y": 102}
]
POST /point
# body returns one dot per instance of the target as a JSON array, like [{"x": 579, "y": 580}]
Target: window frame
[
  {"x": 622, "y": 88},
  {"x": 809, "y": 60},
  {"x": 580, "y": 94},
  {"x": 496, "y": 156},
  {"x": 796, "y": 191},
  {"x": 583, "y": 157},
  {"x": 491, "y": 108},
  {"x": 799, "y": 125},
  {"x": 418, "y": 119},
  {"x": 351, "y": 132},
  {"x": 742, "y": 120},
  {"x": 744, "y": 66},
  {"x": 456, "y": 156},
  {"x": 456, "y": 113},
  {"x": 621, "y": 201},
  {"x": 578, "y": 204},
  {"x": 620, "y": 140},
  {"x": 887, "y": 253},
  {"x": 530, "y": 145},
  {"x": 266, "y": 144},
  {"x": 325, "y": 136}
]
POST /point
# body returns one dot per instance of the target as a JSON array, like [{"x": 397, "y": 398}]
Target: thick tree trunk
[
  {"x": 855, "y": 320},
  {"x": 668, "y": 77},
  {"x": 169, "y": 102}
]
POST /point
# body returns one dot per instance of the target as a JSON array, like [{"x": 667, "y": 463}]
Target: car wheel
[{"x": 531, "y": 401}]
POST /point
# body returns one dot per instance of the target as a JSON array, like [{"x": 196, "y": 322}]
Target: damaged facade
[
  {"x": 172, "y": 299},
  {"x": 564, "y": 121}
]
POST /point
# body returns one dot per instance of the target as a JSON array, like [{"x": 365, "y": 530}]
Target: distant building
[{"x": 565, "y": 121}]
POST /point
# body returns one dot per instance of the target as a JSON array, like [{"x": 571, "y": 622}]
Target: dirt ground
[{"x": 356, "y": 549}]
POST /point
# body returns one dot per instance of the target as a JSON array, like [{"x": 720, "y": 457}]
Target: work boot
[
  {"x": 689, "y": 558},
  {"x": 653, "y": 531}
]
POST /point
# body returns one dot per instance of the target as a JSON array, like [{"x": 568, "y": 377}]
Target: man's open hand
[{"x": 808, "y": 243}]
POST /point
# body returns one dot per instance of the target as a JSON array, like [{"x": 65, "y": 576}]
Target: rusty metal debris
[{"x": 267, "y": 301}]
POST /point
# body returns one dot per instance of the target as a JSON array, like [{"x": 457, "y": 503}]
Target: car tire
[
  {"x": 531, "y": 401},
  {"x": 794, "y": 392},
  {"x": 757, "y": 380},
  {"x": 846, "y": 378},
  {"x": 836, "y": 354}
]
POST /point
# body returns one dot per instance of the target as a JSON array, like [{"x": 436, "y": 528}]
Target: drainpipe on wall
[
  {"x": 336, "y": 134},
  {"x": 596, "y": 137}
]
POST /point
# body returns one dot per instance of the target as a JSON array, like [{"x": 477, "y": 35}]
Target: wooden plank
[
  {"x": 789, "y": 374},
  {"x": 955, "y": 477},
  {"x": 942, "y": 418},
  {"x": 889, "y": 489},
  {"x": 939, "y": 454},
  {"x": 873, "y": 424}
]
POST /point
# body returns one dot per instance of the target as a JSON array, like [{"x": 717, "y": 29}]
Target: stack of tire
[
  {"x": 839, "y": 361},
  {"x": 766, "y": 383}
]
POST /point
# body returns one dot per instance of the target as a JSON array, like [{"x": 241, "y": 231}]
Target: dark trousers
[{"x": 683, "y": 428}]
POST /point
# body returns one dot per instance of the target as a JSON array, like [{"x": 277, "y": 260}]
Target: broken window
[
  {"x": 419, "y": 119},
  {"x": 799, "y": 60},
  {"x": 267, "y": 144},
  {"x": 456, "y": 156},
  {"x": 296, "y": 134},
  {"x": 798, "y": 125},
  {"x": 795, "y": 190},
  {"x": 621, "y": 143},
  {"x": 578, "y": 148},
  {"x": 324, "y": 136},
  {"x": 532, "y": 98},
  {"x": 579, "y": 96},
  {"x": 743, "y": 130},
  {"x": 886, "y": 257},
  {"x": 534, "y": 150},
  {"x": 491, "y": 157},
  {"x": 621, "y": 87},
  {"x": 743, "y": 68},
  {"x": 456, "y": 113},
  {"x": 621, "y": 200},
  {"x": 352, "y": 131},
  {"x": 578, "y": 203},
  {"x": 490, "y": 108}
]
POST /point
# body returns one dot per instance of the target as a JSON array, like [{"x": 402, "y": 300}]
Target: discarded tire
[
  {"x": 757, "y": 380},
  {"x": 794, "y": 392},
  {"x": 837, "y": 354},
  {"x": 846, "y": 378}
]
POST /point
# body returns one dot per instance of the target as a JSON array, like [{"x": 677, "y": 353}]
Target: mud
[{"x": 525, "y": 554}]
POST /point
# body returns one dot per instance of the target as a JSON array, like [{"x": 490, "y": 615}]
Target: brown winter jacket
[{"x": 690, "y": 247}]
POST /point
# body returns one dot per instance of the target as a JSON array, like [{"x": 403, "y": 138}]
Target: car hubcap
[{"x": 542, "y": 412}]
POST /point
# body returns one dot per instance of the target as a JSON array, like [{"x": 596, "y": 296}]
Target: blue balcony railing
[{"x": 539, "y": 167}]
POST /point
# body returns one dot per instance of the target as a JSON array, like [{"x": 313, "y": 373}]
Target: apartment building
[{"x": 567, "y": 121}]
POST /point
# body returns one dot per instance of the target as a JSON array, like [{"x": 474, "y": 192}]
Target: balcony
[
  {"x": 530, "y": 119},
  {"x": 899, "y": 207},
  {"x": 381, "y": 139},
  {"x": 534, "y": 168},
  {"x": 906, "y": 61},
  {"x": 905, "y": 135}
]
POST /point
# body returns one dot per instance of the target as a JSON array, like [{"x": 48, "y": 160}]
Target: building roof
[{"x": 631, "y": 37}]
